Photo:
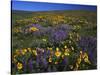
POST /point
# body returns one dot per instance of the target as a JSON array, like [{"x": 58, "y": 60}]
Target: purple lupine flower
[
  {"x": 48, "y": 30},
  {"x": 37, "y": 26},
  {"x": 38, "y": 59},
  {"x": 45, "y": 54},
  {"x": 65, "y": 61},
  {"x": 92, "y": 57},
  {"x": 48, "y": 52},
  {"x": 25, "y": 66},
  {"x": 44, "y": 62},
  {"x": 89, "y": 44},
  {"x": 31, "y": 65},
  {"x": 65, "y": 27},
  {"x": 58, "y": 36},
  {"x": 41, "y": 32}
]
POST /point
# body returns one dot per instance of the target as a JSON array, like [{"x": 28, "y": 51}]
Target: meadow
[{"x": 52, "y": 41}]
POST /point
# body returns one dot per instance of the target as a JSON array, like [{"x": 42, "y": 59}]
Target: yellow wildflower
[
  {"x": 66, "y": 53},
  {"x": 71, "y": 66},
  {"x": 44, "y": 39},
  {"x": 33, "y": 29},
  {"x": 24, "y": 51},
  {"x": 50, "y": 59},
  {"x": 40, "y": 16},
  {"x": 62, "y": 56},
  {"x": 17, "y": 52},
  {"x": 29, "y": 49},
  {"x": 65, "y": 46},
  {"x": 57, "y": 49},
  {"x": 58, "y": 53},
  {"x": 50, "y": 48},
  {"x": 56, "y": 62},
  {"x": 87, "y": 60},
  {"x": 19, "y": 65},
  {"x": 77, "y": 65},
  {"x": 85, "y": 57},
  {"x": 15, "y": 56},
  {"x": 81, "y": 52},
  {"x": 72, "y": 48},
  {"x": 14, "y": 59},
  {"x": 79, "y": 60},
  {"x": 35, "y": 52}
]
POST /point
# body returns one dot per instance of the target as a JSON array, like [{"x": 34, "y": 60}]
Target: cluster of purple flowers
[{"x": 89, "y": 44}]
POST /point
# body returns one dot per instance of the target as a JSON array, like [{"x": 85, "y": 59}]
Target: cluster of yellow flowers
[
  {"x": 19, "y": 66},
  {"x": 83, "y": 56},
  {"x": 33, "y": 29},
  {"x": 77, "y": 27},
  {"x": 34, "y": 52},
  {"x": 74, "y": 36},
  {"x": 50, "y": 59},
  {"x": 56, "y": 19},
  {"x": 58, "y": 53},
  {"x": 17, "y": 30},
  {"x": 44, "y": 39}
]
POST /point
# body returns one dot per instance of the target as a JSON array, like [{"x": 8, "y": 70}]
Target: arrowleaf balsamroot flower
[
  {"x": 34, "y": 52},
  {"x": 33, "y": 29},
  {"x": 50, "y": 59},
  {"x": 57, "y": 49},
  {"x": 65, "y": 46},
  {"x": 23, "y": 51},
  {"x": 19, "y": 66},
  {"x": 44, "y": 39},
  {"x": 66, "y": 53},
  {"x": 29, "y": 49},
  {"x": 57, "y": 53},
  {"x": 85, "y": 57}
]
